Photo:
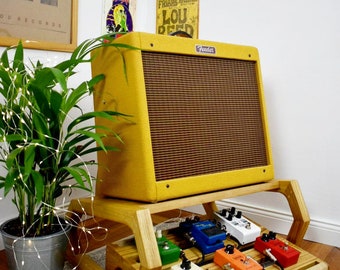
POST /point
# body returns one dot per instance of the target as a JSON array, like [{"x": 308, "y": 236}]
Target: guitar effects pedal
[
  {"x": 208, "y": 236},
  {"x": 168, "y": 251},
  {"x": 231, "y": 258},
  {"x": 269, "y": 245},
  {"x": 237, "y": 225}
]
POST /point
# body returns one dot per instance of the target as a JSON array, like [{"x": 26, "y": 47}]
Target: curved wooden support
[{"x": 291, "y": 190}]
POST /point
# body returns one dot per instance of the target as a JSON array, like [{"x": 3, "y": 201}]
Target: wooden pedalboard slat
[{"x": 124, "y": 255}]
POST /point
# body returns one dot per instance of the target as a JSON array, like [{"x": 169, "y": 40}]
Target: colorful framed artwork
[
  {"x": 177, "y": 17},
  {"x": 118, "y": 16},
  {"x": 40, "y": 24}
]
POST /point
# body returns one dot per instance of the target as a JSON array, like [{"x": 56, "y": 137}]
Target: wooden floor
[{"x": 329, "y": 254}]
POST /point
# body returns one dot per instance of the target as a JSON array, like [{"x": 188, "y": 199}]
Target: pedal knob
[
  {"x": 232, "y": 210},
  {"x": 239, "y": 214},
  {"x": 265, "y": 237},
  {"x": 230, "y": 217},
  {"x": 272, "y": 235},
  {"x": 285, "y": 247},
  {"x": 224, "y": 212},
  {"x": 247, "y": 260},
  {"x": 228, "y": 267},
  {"x": 165, "y": 245},
  {"x": 229, "y": 249}
]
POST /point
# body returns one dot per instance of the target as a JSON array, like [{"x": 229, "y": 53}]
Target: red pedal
[
  {"x": 231, "y": 258},
  {"x": 285, "y": 254}
]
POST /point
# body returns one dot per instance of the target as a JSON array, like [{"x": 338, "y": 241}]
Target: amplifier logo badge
[{"x": 205, "y": 49}]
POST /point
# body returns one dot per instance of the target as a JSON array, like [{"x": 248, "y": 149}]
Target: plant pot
[{"x": 32, "y": 253}]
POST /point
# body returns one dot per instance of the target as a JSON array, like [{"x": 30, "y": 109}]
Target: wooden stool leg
[
  {"x": 210, "y": 208},
  {"x": 291, "y": 190},
  {"x": 145, "y": 240}
]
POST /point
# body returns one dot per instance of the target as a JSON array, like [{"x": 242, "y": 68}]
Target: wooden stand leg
[
  {"x": 210, "y": 208},
  {"x": 292, "y": 192},
  {"x": 145, "y": 240}
]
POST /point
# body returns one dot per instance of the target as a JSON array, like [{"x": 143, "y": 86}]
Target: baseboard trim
[{"x": 318, "y": 230}]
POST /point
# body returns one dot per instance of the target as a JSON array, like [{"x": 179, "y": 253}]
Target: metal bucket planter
[{"x": 33, "y": 253}]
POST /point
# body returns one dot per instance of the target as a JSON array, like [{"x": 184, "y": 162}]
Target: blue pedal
[
  {"x": 208, "y": 236},
  {"x": 208, "y": 232},
  {"x": 206, "y": 249}
]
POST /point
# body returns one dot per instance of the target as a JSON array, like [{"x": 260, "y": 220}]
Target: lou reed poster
[{"x": 177, "y": 15}]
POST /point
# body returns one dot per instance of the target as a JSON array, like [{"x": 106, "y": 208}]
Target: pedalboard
[
  {"x": 231, "y": 258},
  {"x": 237, "y": 226},
  {"x": 276, "y": 249},
  {"x": 168, "y": 251},
  {"x": 205, "y": 235}
]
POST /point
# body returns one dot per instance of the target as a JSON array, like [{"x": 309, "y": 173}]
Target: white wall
[{"x": 299, "y": 45}]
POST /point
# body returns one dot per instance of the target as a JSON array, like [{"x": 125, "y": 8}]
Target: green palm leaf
[{"x": 45, "y": 136}]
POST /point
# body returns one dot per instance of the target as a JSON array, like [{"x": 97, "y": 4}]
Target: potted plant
[{"x": 45, "y": 139}]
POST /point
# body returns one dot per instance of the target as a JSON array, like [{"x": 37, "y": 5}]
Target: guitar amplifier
[{"x": 198, "y": 117}]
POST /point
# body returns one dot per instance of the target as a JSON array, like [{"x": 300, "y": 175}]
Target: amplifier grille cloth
[{"x": 205, "y": 114}]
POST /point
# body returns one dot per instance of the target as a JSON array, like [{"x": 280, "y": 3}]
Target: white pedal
[{"x": 237, "y": 226}]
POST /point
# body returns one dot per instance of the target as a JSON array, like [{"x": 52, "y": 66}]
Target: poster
[
  {"x": 177, "y": 15},
  {"x": 44, "y": 24}
]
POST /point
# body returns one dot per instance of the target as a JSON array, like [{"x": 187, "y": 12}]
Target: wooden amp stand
[{"x": 137, "y": 215}]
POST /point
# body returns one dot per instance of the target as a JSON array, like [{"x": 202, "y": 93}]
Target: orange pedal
[{"x": 231, "y": 258}]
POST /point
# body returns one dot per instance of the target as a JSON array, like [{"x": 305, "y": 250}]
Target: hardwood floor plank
[
  {"x": 3, "y": 260},
  {"x": 317, "y": 249},
  {"x": 333, "y": 258}
]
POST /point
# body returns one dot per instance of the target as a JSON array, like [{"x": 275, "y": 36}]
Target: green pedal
[{"x": 168, "y": 251}]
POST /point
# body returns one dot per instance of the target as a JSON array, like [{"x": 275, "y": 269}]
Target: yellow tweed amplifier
[{"x": 198, "y": 117}]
